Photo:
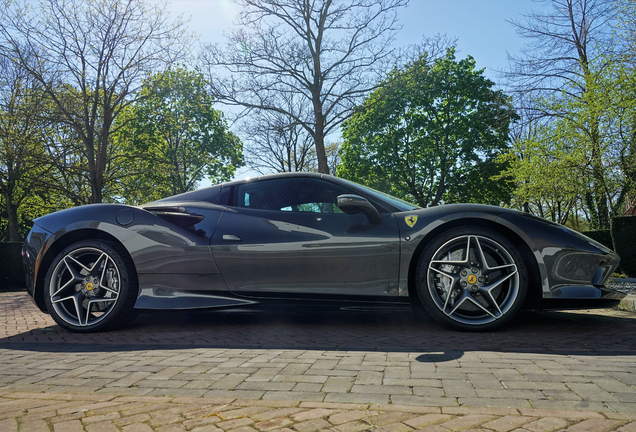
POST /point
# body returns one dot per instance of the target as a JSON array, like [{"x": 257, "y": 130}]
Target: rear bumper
[{"x": 32, "y": 254}]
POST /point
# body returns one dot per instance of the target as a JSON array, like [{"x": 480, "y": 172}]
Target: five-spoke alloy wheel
[
  {"x": 89, "y": 287},
  {"x": 471, "y": 279}
]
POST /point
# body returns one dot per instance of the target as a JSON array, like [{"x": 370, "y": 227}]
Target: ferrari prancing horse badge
[{"x": 411, "y": 220}]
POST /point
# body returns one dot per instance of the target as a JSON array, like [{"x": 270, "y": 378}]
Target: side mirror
[{"x": 352, "y": 204}]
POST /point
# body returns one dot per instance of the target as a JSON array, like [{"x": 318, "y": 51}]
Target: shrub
[
  {"x": 12, "y": 273},
  {"x": 624, "y": 238},
  {"x": 604, "y": 237}
]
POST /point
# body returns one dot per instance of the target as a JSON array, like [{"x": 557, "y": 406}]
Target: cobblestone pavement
[
  {"x": 35, "y": 412},
  {"x": 180, "y": 371}
]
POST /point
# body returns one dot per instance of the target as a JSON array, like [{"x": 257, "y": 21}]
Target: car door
[{"x": 288, "y": 238}]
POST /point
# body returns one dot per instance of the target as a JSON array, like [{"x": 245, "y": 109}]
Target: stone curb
[{"x": 628, "y": 303}]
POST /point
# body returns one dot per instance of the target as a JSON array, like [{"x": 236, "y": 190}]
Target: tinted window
[
  {"x": 400, "y": 204},
  {"x": 209, "y": 194},
  {"x": 293, "y": 195}
]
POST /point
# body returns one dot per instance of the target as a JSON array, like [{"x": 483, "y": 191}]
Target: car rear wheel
[
  {"x": 90, "y": 287},
  {"x": 471, "y": 279}
]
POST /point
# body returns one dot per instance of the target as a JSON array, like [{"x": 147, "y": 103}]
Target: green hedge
[
  {"x": 11, "y": 268},
  {"x": 604, "y": 237},
  {"x": 624, "y": 237}
]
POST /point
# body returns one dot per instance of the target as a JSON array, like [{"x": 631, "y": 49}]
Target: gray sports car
[{"x": 313, "y": 240}]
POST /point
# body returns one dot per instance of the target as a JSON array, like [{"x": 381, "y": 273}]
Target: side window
[{"x": 304, "y": 195}]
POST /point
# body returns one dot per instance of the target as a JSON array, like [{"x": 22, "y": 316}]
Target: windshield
[{"x": 400, "y": 204}]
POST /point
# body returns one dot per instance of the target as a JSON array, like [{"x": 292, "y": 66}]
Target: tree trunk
[
  {"x": 602, "y": 209},
  {"x": 96, "y": 186},
  {"x": 93, "y": 167},
  {"x": 12, "y": 211},
  {"x": 319, "y": 137},
  {"x": 593, "y": 209}
]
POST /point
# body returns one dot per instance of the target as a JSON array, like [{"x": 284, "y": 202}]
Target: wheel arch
[
  {"x": 534, "y": 277},
  {"x": 66, "y": 240}
]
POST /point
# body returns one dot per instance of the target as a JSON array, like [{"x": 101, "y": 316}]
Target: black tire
[
  {"x": 487, "y": 288},
  {"x": 91, "y": 286}
]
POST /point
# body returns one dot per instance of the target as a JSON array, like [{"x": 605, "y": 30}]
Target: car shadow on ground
[{"x": 594, "y": 333}]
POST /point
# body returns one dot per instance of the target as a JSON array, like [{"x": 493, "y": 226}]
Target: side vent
[{"x": 177, "y": 215}]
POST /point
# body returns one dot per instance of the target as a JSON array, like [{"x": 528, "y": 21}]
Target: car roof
[
  {"x": 211, "y": 193},
  {"x": 277, "y": 176}
]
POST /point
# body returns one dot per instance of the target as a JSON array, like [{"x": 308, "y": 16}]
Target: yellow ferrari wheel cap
[
  {"x": 411, "y": 220},
  {"x": 471, "y": 279},
  {"x": 89, "y": 286}
]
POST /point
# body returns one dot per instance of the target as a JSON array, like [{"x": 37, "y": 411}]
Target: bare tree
[
  {"x": 564, "y": 39},
  {"x": 327, "y": 52},
  {"x": 276, "y": 144},
  {"x": 90, "y": 57}
]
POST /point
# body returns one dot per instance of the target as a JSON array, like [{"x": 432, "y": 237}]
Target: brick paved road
[
  {"x": 584, "y": 361},
  {"x": 31, "y": 412}
]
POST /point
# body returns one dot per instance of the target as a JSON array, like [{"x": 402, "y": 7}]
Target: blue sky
[{"x": 480, "y": 26}]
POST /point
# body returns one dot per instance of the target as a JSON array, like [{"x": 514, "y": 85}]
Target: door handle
[{"x": 231, "y": 237}]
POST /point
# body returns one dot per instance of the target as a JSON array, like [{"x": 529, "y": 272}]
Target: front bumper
[
  {"x": 577, "y": 280},
  {"x": 583, "y": 297}
]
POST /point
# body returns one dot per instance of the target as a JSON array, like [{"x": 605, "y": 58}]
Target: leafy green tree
[
  {"x": 23, "y": 161},
  {"x": 37, "y": 202},
  {"x": 478, "y": 183},
  {"x": 585, "y": 153},
  {"x": 613, "y": 95},
  {"x": 545, "y": 169},
  {"x": 430, "y": 133},
  {"x": 172, "y": 138},
  {"x": 555, "y": 75}
]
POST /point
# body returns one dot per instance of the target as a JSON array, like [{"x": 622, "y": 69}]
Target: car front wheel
[
  {"x": 471, "y": 279},
  {"x": 90, "y": 287}
]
